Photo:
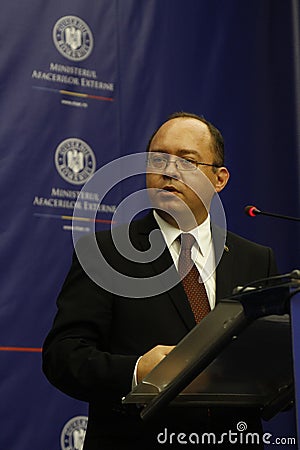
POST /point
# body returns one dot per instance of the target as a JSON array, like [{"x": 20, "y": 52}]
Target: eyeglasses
[{"x": 160, "y": 161}]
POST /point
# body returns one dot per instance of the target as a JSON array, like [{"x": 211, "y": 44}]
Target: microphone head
[
  {"x": 295, "y": 274},
  {"x": 251, "y": 211}
]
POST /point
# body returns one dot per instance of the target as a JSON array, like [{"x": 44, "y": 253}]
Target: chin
[{"x": 169, "y": 205}]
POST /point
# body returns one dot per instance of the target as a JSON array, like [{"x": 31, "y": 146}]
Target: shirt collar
[{"x": 201, "y": 233}]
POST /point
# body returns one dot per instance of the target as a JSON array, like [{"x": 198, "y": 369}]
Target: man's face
[{"x": 172, "y": 190}]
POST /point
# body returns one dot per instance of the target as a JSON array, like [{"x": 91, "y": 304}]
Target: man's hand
[{"x": 150, "y": 359}]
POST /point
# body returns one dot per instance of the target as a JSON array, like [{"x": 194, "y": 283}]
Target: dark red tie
[{"x": 191, "y": 279}]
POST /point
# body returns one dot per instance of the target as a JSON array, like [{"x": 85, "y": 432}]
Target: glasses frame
[{"x": 194, "y": 164}]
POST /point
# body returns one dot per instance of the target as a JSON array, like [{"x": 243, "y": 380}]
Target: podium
[{"x": 241, "y": 354}]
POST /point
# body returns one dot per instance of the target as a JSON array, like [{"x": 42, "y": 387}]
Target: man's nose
[{"x": 171, "y": 169}]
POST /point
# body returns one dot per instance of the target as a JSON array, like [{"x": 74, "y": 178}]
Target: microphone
[
  {"x": 276, "y": 280},
  {"x": 252, "y": 211}
]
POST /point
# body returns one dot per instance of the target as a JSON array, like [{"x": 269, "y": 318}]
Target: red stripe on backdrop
[{"x": 20, "y": 349}]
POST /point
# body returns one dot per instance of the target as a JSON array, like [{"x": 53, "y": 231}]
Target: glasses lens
[
  {"x": 157, "y": 161},
  {"x": 185, "y": 164}
]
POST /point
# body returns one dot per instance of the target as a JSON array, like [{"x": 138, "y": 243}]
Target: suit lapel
[
  {"x": 224, "y": 273},
  {"x": 161, "y": 264}
]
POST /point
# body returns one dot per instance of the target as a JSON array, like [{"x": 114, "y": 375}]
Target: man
[{"x": 102, "y": 343}]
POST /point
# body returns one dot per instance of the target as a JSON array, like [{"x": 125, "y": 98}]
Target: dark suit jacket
[{"x": 97, "y": 336}]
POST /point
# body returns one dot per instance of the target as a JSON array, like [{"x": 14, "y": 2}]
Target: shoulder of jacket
[{"x": 236, "y": 239}]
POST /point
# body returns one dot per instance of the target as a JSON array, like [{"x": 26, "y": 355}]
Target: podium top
[{"x": 227, "y": 359}]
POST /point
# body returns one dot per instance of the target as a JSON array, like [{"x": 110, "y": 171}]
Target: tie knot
[{"x": 187, "y": 242}]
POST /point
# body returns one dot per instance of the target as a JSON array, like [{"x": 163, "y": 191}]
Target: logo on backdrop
[
  {"x": 78, "y": 86},
  {"x": 73, "y": 433},
  {"x": 73, "y": 38},
  {"x": 75, "y": 161}
]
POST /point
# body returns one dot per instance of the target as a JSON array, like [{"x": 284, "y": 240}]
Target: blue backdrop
[{"x": 94, "y": 79}]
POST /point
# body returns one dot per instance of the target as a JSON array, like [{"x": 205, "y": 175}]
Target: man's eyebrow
[
  {"x": 158, "y": 150},
  {"x": 183, "y": 151}
]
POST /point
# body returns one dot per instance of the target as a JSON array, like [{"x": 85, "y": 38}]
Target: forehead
[{"x": 180, "y": 134}]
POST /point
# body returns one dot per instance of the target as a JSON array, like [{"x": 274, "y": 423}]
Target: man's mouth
[{"x": 170, "y": 189}]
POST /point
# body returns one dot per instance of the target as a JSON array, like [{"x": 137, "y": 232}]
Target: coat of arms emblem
[
  {"x": 75, "y": 161},
  {"x": 73, "y": 38}
]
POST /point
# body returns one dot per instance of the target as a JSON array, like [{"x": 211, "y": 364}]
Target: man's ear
[{"x": 222, "y": 177}]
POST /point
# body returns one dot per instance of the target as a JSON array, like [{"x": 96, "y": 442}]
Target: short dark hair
[{"x": 216, "y": 136}]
